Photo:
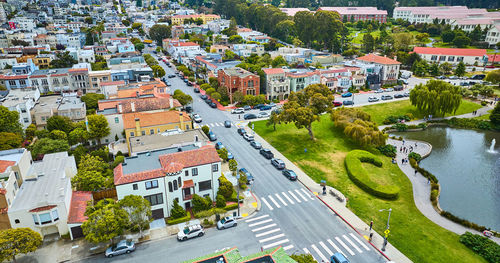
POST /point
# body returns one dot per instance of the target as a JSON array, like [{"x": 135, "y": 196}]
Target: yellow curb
[
  {"x": 315, "y": 193},
  {"x": 367, "y": 238},
  {"x": 244, "y": 215},
  {"x": 254, "y": 204}
]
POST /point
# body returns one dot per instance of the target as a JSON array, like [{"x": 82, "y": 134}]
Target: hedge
[
  {"x": 468, "y": 123},
  {"x": 178, "y": 220},
  {"x": 361, "y": 177},
  {"x": 422, "y": 171},
  {"x": 231, "y": 207},
  {"x": 486, "y": 248}
]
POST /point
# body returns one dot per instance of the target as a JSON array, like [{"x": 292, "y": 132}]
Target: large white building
[
  {"x": 389, "y": 68},
  {"x": 452, "y": 55},
  {"x": 21, "y": 101}
]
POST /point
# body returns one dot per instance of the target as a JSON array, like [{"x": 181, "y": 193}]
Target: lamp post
[
  {"x": 386, "y": 232},
  {"x": 238, "y": 195}
]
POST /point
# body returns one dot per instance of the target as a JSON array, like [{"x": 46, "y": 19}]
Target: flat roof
[
  {"x": 17, "y": 96},
  {"x": 166, "y": 140}
]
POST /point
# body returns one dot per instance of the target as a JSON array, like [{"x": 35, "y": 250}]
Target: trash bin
[{"x": 217, "y": 217}]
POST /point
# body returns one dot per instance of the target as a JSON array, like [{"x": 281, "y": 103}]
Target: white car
[
  {"x": 226, "y": 222},
  {"x": 190, "y": 232},
  {"x": 248, "y": 137},
  {"x": 238, "y": 111},
  {"x": 263, "y": 114},
  {"x": 379, "y": 91},
  {"x": 389, "y": 89},
  {"x": 372, "y": 99},
  {"x": 197, "y": 118}
]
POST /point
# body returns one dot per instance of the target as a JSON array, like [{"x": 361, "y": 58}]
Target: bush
[
  {"x": 422, "y": 125},
  {"x": 205, "y": 129},
  {"x": 361, "y": 177},
  {"x": 484, "y": 103},
  {"x": 466, "y": 123},
  {"x": 220, "y": 201},
  {"x": 488, "y": 249},
  {"x": 415, "y": 156},
  {"x": 118, "y": 160},
  {"x": 395, "y": 119},
  {"x": 207, "y": 222},
  {"x": 177, "y": 211},
  {"x": 225, "y": 187},
  {"x": 422, "y": 171},
  {"x": 234, "y": 197},
  {"x": 231, "y": 207},
  {"x": 388, "y": 150},
  {"x": 462, "y": 221},
  {"x": 175, "y": 221},
  {"x": 200, "y": 203},
  {"x": 401, "y": 127}
]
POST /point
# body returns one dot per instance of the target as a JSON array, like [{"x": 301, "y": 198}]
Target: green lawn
[
  {"x": 359, "y": 38},
  {"x": 412, "y": 233},
  {"x": 381, "y": 111}
]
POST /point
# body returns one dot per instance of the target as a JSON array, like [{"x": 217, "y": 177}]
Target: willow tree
[
  {"x": 357, "y": 125},
  {"x": 436, "y": 97}
]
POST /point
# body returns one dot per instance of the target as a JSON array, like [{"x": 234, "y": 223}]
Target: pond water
[{"x": 469, "y": 173}]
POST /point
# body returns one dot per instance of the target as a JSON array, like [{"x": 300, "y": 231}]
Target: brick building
[
  {"x": 238, "y": 79},
  {"x": 355, "y": 14}
]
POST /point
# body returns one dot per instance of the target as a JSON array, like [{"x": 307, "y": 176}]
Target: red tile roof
[
  {"x": 14, "y": 77},
  {"x": 270, "y": 71},
  {"x": 147, "y": 119},
  {"x": 187, "y": 184},
  {"x": 42, "y": 208},
  {"x": 79, "y": 201},
  {"x": 111, "y": 83},
  {"x": 120, "y": 178},
  {"x": 379, "y": 59},
  {"x": 5, "y": 164},
  {"x": 186, "y": 44},
  {"x": 450, "y": 51},
  {"x": 77, "y": 70}
]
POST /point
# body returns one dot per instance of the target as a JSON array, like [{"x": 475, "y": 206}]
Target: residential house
[
  {"x": 48, "y": 106},
  {"x": 245, "y": 50},
  {"x": 219, "y": 49},
  {"x": 217, "y": 26},
  {"x": 98, "y": 77},
  {"x": 238, "y": 79},
  {"x": 354, "y": 14},
  {"x": 80, "y": 79},
  {"x": 389, "y": 68},
  {"x": 42, "y": 61},
  {"x": 76, "y": 216},
  {"x": 300, "y": 79},
  {"x": 22, "y": 23},
  {"x": 452, "y": 55},
  {"x": 24, "y": 68},
  {"x": 22, "y": 101},
  {"x": 165, "y": 175},
  {"x": 86, "y": 56},
  {"x": 179, "y": 19},
  {"x": 277, "y": 84},
  {"x": 51, "y": 80},
  {"x": 11, "y": 81}
]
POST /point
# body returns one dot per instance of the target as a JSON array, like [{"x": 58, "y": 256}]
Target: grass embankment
[
  {"x": 380, "y": 112},
  {"x": 411, "y": 232}
]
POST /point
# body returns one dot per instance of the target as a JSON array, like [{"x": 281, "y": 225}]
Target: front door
[{"x": 157, "y": 214}]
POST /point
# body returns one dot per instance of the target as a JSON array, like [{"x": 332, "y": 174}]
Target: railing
[{"x": 187, "y": 197}]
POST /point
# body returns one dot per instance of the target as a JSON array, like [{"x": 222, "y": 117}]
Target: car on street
[
  {"x": 441, "y": 77},
  {"x": 227, "y": 124},
  {"x": 256, "y": 144},
  {"x": 348, "y": 102},
  {"x": 168, "y": 83},
  {"x": 379, "y": 91},
  {"x": 263, "y": 114},
  {"x": 453, "y": 77},
  {"x": 249, "y": 116},
  {"x": 249, "y": 176},
  {"x": 190, "y": 232},
  {"x": 189, "y": 83},
  {"x": 266, "y": 153},
  {"x": 272, "y": 104},
  {"x": 290, "y": 174},
  {"x": 258, "y": 106},
  {"x": 337, "y": 103},
  {"x": 338, "y": 258},
  {"x": 227, "y": 222},
  {"x": 171, "y": 76},
  {"x": 278, "y": 163},
  {"x": 265, "y": 107},
  {"x": 398, "y": 96},
  {"x": 372, "y": 99},
  {"x": 197, "y": 118},
  {"x": 478, "y": 77},
  {"x": 241, "y": 131},
  {"x": 213, "y": 105},
  {"x": 386, "y": 97},
  {"x": 208, "y": 101},
  {"x": 347, "y": 94},
  {"x": 122, "y": 247},
  {"x": 188, "y": 109},
  {"x": 238, "y": 111},
  {"x": 196, "y": 90},
  {"x": 246, "y": 107},
  {"x": 389, "y": 90},
  {"x": 203, "y": 97},
  {"x": 229, "y": 156},
  {"x": 406, "y": 94},
  {"x": 219, "y": 146},
  {"x": 212, "y": 136},
  {"x": 248, "y": 137}
]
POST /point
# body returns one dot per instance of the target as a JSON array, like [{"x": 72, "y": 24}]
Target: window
[
  {"x": 45, "y": 82},
  {"x": 179, "y": 182},
  {"x": 45, "y": 218},
  {"x": 175, "y": 185},
  {"x": 152, "y": 131},
  {"x": 15, "y": 185},
  {"x": 151, "y": 184},
  {"x": 155, "y": 199},
  {"x": 17, "y": 175},
  {"x": 460, "y": 59},
  {"x": 215, "y": 167},
  {"x": 442, "y": 58},
  {"x": 55, "y": 215},
  {"x": 159, "y": 130},
  {"x": 451, "y": 58},
  {"x": 205, "y": 185},
  {"x": 186, "y": 173},
  {"x": 35, "y": 219},
  {"x": 131, "y": 134},
  {"x": 117, "y": 120},
  {"x": 143, "y": 133},
  {"x": 22, "y": 82},
  {"x": 194, "y": 171},
  {"x": 12, "y": 82},
  {"x": 170, "y": 187},
  {"x": 135, "y": 187},
  {"x": 34, "y": 82}
]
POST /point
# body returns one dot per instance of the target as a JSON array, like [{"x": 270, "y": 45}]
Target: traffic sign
[{"x": 386, "y": 232}]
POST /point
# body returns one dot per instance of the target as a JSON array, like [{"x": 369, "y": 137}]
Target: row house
[
  {"x": 217, "y": 26},
  {"x": 96, "y": 78},
  {"x": 237, "y": 79},
  {"x": 80, "y": 79},
  {"x": 43, "y": 39},
  {"x": 177, "y": 48},
  {"x": 51, "y": 80},
  {"x": 68, "y": 105},
  {"x": 388, "y": 69},
  {"x": 22, "y": 101},
  {"x": 42, "y": 61},
  {"x": 245, "y": 50},
  {"x": 211, "y": 63},
  {"x": 277, "y": 84},
  {"x": 179, "y": 19},
  {"x": 11, "y": 81},
  {"x": 301, "y": 79}
]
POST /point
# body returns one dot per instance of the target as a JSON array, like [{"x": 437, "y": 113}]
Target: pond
[{"x": 469, "y": 173}]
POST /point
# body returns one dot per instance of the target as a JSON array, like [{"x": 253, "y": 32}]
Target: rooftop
[
  {"x": 167, "y": 139},
  {"x": 238, "y": 72},
  {"x": 450, "y": 51},
  {"x": 351, "y": 10},
  {"x": 148, "y": 119},
  {"x": 293, "y": 11},
  {"x": 17, "y": 96},
  {"x": 79, "y": 201},
  {"x": 372, "y": 58}
]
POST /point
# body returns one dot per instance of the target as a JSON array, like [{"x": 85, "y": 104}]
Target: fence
[{"x": 108, "y": 193}]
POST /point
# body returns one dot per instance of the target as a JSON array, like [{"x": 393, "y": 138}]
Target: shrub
[
  {"x": 234, "y": 197},
  {"x": 462, "y": 221},
  {"x": 118, "y": 160},
  {"x": 395, "y": 119},
  {"x": 484, "y": 103},
  {"x": 486, "y": 248},
  {"x": 205, "y": 129},
  {"x": 231, "y": 207},
  {"x": 242, "y": 182},
  {"x": 388, "y": 150},
  {"x": 177, "y": 211},
  {"x": 207, "y": 222},
  {"x": 361, "y": 177},
  {"x": 200, "y": 203},
  {"x": 422, "y": 171},
  {"x": 401, "y": 127},
  {"x": 422, "y": 125},
  {"x": 175, "y": 221},
  {"x": 415, "y": 156},
  {"x": 467, "y": 123},
  {"x": 220, "y": 201},
  {"x": 225, "y": 187}
]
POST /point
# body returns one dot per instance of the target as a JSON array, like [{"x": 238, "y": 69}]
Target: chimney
[
  {"x": 171, "y": 101},
  {"x": 120, "y": 108},
  {"x": 132, "y": 106},
  {"x": 137, "y": 126},
  {"x": 181, "y": 119}
]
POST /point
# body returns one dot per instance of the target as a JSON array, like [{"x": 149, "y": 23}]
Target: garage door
[
  {"x": 157, "y": 214},
  {"x": 77, "y": 232}
]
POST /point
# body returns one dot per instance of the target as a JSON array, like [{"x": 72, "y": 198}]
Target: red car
[{"x": 337, "y": 103}]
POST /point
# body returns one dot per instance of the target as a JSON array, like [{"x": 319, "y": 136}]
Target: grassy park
[{"x": 412, "y": 233}]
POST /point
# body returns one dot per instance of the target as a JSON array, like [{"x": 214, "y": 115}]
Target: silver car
[
  {"x": 122, "y": 247},
  {"x": 226, "y": 222},
  {"x": 238, "y": 111},
  {"x": 263, "y": 114}
]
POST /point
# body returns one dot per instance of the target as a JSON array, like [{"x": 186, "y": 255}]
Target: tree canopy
[
  {"x": 9, "y": 121},
  {"x": 436, "y": 97},
  {"x": 47, "y": 145},
  {"x": 16, "y": 241},
  {"x": 91, "y": 100},
  {"x": 138, "y": 210},
  {"x": 357, "y": 125},
  {"x": 61, "y": 123},
  {"x": 159, "y": 32},
  {"x": 105, "y": 221},
  {"x": 63, "y": 60},
  {"x": 98, "y": 127}
]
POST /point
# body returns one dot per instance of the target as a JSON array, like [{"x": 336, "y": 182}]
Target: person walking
[
  {"x": 416, "y": 172},
  {"x": 403, "y": 161}
]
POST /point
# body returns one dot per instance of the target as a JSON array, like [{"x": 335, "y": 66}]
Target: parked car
[
  {"x": 265, "y": 107},
  {"x": 168, "y": 83},
  {"x": 348, "y": 102},
  {"x": 188, "y": 109},
  {"x": 290, "y": 174},
  {"x": 263, "y": 114},
  {"x": 249, "y": 176},
  {"x": 249, "y": 116},
  {"x": 219, "y": 146},
  {"x": 347, "y": 94},
  {"x": 338, "y": 258},
  {"x": 238, "y": 111},
  {"x": 256, "y": 144},
  {"x": 189, "y": 83},
  {"x": 258, "y": 106},
  {"x": 241, "y": 131},
  {"x": 203, "y": 97},
  {"x": 379, "y": 91},
  {"x": 266, "y": 153},
  {"x": 406, "y": 94},
  {"x": 272, "y": 104},
  {"x": 208, "y": 101},
  {"x": 227, "y": 222},
  {"x": 197, "y": 118},
  {"x": 246, "y": 107},
  {"x": 386, "y": 97},
  {"x": 372, "y": 99},
  {"x": 213, "y": 105},
  {"x": 229, "y": 156},
  {"x": 441, "y": 77},
  {"x": 171, "y": 76},
  {"x": 227, "y": 124},
  {"x": 478, "y": 76},
  {"x": 122, "y": 247},
  {"x": 212, "y": 136},
  {"x": 453, "y": 77},
  {"x": 278, "y": 163},
  {"x": 248, "y": 137},
  {"x": 196, "y": 90},
  {"x": 398, "y": 96},
  {"x": 398, "y": 88},
  {"x": 337, "y": 103},
  {"x": 389, "y": 90},
  {"x": 190, "y": 232}
]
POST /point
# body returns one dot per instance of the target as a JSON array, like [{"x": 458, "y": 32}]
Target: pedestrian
[
  {"x": 404, "y": 149},
  {"x": 403, "y": 141},
  {"x": 401, "y": 149},
  {"x": 415, "y": 145},
  {"x": 371, "y": 236},
  {"x": 403, "y": 161},
  {"x": 416, "y": 172},
  {"x": 324, "y": 190},
  {"x": 428, "y": 181}
]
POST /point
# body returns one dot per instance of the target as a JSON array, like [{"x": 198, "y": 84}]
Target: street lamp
[
  {"x": 238, "y": 195},
  {"x": 386, "y": 232}
]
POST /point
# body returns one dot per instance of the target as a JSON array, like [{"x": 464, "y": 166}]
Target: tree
[
  {"x": 139, "y": 47},
  {"x": 237, "y": 96},
  {"x": 136, "y": 26},
  {"x": 138, "y": 210},
  {"x": 92, "y": 163},
  {"x": 10, "y": 140},
  {"x": 89, "y": 20},
  {"x": 476, "y": 34},
  {"x": 460, "y": 69},
  {"x": 216, "y": 96},
  {"x": 220, "y": 201},
  {"x": 493, "y": 76},
  {"x": 495, "y": 115},
  {"x": 235, "y": 39},
  {"x": 9, "y": 121},
  {"x": 402, "y": 41},
  {"x": 90, "y": 181},
  {"x": 233, "y": 166},
  {"x": 200, "y": 203},
  {"x": 47, "y": 145},
  {"x": 434, "y": 70},
  {"x": 61, "y": 123},
  {"x": 368, "y": 43},
  {"x": 205, "y": 129},
  {"x": 304, "y": 107},
  {"x": 98, "y": 127},
  {"x": 461, "y": 41},
  {"x": 159, "y": 32},
  {"x": 105, "y": 221},
  {"x": 183, "y": 98},
  {"x": 63, "y": 60},
  {"x": 229, "y": 55},
  {"x": 158, "y": 71},
  {"x": 78, "y": 135},
  {"x": 30, "y": 132},
  {"x": 223, "y": 154},
  {"x": 125, "y": 22},
  {"x": 273, "y": 120},
  {"x": 225, "y": 187},
  {"x": 447, "y": 36},
  {"x": 436, "y": 97},
  {"x": 302, "y": 258},
  {"x": 357, "y": 126},
  {"x": 58, "y": 135},
  {"x": 91, "y": 100},
  {"x": 278, "y": 62},
  {"x": 445, "y": 68},
  {"x": 177, "y": 210},
  {"x": 16, "y": 241}
]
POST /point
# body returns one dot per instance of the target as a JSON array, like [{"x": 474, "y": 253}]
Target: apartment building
[
  {"x": 48, "y": 106},
  {"x": 238, "y": 79},
  {"x": 277, "y": 84},
  {"x": 354, "y": 14},
  {"x": 452, "y": 55},
  {"x": 22, "y": 101},
  {"x": 389, "y": 68}
]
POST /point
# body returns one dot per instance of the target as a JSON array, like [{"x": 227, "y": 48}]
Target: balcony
[{"x": 187, "y": 197}]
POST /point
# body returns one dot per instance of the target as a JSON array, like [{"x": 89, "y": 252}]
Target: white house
[
  {"x": 493, "y": 35},
  {"x": 165, "y": 175},
  {"x": 451, "y": 55},
  {"x": 389, "y": 72},
  {"x": 277, "y": 84},
  {"x": 22, "y": 101}
]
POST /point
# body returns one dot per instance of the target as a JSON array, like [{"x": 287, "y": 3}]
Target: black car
[
  {"x": 171, "y": 76},
  {"x": 256, "y": 145},
  {"x": 227, "y": 124},
  {"x": 241, "y": 131},
  {"x": 208, "y": 100},
  {"x": 203, "y": 97},
  {"x": 189, "y": 83},
  {"x": 213, "y": 105},
  {"x": 266, "y": 153},
  {"x": 246, "y": 107},
  {"x": 249, "y": 116},
  {"x": 290, "y": 174},
  {"x": 258, "y": 106},
  {"x": 188, "y": 109},
  {"x": 196, "y": 90},
  {"x": 348, "y": 102},
  {"x": 398, "y": 96},
  {"x": 249, "y": 176}
]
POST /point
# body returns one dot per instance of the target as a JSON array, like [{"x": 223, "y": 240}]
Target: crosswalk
[
  {"x": 212, "y": 124},
  {"x": 349, "y": 245},
  {"x": 284, "y": 199},
  {"x": 268, "y": 233}
]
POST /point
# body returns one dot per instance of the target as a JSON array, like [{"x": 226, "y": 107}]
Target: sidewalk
[{"x": 339, "y": 207}]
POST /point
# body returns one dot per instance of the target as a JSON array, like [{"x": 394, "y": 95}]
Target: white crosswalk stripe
[
  {"x": 271, "y": 238},
  {"x": 288, "y": 247},
  {"x": 326, "y": 248},
  {"x": 281, "y": 200},
  {"x": 256, "y": 218},
  {"x": 359, "y": 242},
  {"x": 294, "y": 197},
  {"x": 217, "y": 124},
  {"x": 288, "y": 198},
  {"x": 307, "y": 194},
  {"x": 260, "y": 223},
  {"x": 267, "y": 204},
  {"x": 277, "y": 243},
  {"x": 263, "y": 227},
  {"x": 211, "y": 124},
  {"x": 301, "y": 196},
  {"x": 268, "y": 232},
  {"x": 333, "y": 245},
  {"x": 319, "y": 253},
  {"x": 274, "y": 201},
  {"x": 308, "y": 252},
  {"x": 352, "y": 244},
  {"x": 344, "y": 246}
]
